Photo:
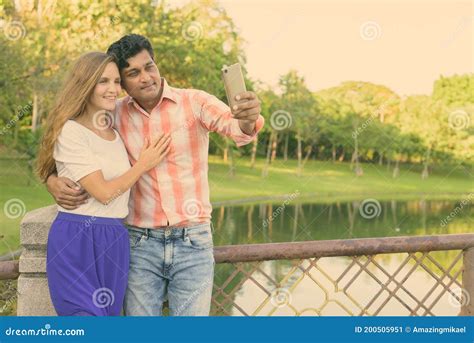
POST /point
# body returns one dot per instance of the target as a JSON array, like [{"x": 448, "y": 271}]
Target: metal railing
[{"x": 451, "y": 280}]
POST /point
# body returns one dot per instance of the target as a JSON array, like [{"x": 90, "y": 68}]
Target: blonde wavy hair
[{"x": 70, "y": 103}]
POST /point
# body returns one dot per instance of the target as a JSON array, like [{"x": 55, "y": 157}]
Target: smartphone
[{"x": 233, "y": 82}]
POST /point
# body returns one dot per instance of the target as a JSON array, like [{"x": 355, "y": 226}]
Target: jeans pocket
[
  {"x": 200, "y": 238},
  {"x": 135, "y": 239}
]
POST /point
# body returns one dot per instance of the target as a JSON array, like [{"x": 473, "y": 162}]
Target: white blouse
[{"x": 78, "y": 152}]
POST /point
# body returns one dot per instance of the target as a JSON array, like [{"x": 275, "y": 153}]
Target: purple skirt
[{"x": 87, "y": 265}]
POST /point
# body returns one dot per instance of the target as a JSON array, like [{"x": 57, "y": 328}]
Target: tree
[{"x": 302, "y": 108}]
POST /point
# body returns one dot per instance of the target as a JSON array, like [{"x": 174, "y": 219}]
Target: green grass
[
  {"x": 323, "y": 180},
  {"x": 320, "y": 181}
]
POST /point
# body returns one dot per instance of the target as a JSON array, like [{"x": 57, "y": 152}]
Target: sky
[{"x": 405, "y": 45}]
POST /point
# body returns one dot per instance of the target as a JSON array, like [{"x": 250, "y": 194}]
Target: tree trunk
[
  {"x": 308, "y": 153},
  {"x": 274, "y": 147},
  {"x": 299, "y": 153},
  {"x": 396, "y": 170},
  {"x": 353, "y": 158},
  {"x": 334, "y": 153},
  {"x": 267, "y": 159},
  {"x": 358, "y": 169},
  {"x": 285, "y": 151},
  {"x": 254, "y": 153},
  {"x": 426, "y": 162},
  {"x": 225, "y": 151},
  {"x": 341, "y": 157},
  {"x": 425, "y": 173}
]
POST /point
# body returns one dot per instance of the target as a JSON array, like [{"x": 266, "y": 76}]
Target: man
[{"x": 169, "y": 210}]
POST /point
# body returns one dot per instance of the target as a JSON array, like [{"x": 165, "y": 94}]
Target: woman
[{"x": 88, "y": 248}]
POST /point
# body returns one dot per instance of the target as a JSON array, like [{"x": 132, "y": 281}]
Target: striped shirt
[{"x": 176, "y": 191}]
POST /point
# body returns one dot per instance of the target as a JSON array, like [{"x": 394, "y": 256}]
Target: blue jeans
[{"x": 175, "y": 264}]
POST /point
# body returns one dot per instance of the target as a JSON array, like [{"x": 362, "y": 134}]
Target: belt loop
[
  {"x": 147, "y": 232},
  {"x": 185, "y": 233},
  {"x": 212, "y": 228}
]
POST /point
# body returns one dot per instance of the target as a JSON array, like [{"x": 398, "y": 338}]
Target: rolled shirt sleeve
[
  {"x": 216, "y": 116},
  {"x": 72, "y": 150}
]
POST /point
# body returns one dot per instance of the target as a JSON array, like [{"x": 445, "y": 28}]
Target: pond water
[{"x": 390, "y": 284}]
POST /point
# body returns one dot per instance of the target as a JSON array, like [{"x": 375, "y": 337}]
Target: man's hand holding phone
[
  {"x": 246, "y": 111},
  {"x": 244, "y": 105}
]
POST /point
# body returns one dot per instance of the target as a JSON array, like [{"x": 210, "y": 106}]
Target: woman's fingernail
[
  {"x": 235, "y": 107},
  {"x": 238, "y": 97}
]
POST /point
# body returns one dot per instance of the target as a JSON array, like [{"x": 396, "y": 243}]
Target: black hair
[{"x": 129, "y": 46}]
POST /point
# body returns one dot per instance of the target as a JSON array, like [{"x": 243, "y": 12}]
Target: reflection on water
[{"x": 391, "y": 284}]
